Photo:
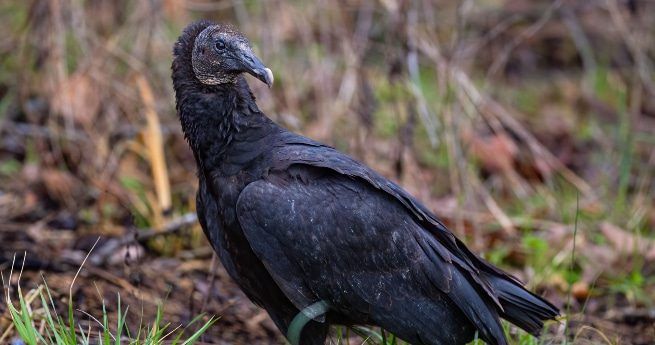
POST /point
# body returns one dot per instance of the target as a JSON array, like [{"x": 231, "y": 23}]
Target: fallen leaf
[
  {"x": 628, "y": 243},
  {"x": 78, "y": 98},
  {"x": 61, "y": 186},
  {"x": 496, "y": 153},
  {"x": 580, "y": 290}
]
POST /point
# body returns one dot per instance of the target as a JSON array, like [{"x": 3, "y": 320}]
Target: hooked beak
[{"x": 256, "y": 68}]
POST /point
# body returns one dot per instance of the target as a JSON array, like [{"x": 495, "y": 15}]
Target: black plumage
[{"x": 296, "y": 222}]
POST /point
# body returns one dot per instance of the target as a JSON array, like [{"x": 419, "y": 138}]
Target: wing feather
[{"x": 334, "y": 238}]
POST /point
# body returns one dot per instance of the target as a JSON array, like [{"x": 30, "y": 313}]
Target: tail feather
[
  {"x": 462, "y": 287},
  {"x": 482, "y": 313},
  {"x": 520, "y": 306},
  {"x": 482, "y": 292}
]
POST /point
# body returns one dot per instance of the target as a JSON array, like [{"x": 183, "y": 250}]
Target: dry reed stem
[
  {"x": 643, "y": 67},
  {"x": 499, "y": 118},
  {"x": 493, "y": 207},
  {"x": 501, "y": 114},
  {"x": 154, "y": 142}
]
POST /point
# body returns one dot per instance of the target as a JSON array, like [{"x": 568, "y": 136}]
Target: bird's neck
[{"x": 217, "y": 118}]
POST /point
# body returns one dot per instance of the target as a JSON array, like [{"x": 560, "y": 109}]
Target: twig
[
  {"x": 490, "y": 108},
  {"x": 499, "y": 117},
  {"x": 429, "y": 120},
  {"x": 120, "y": 282},
  {"x": 582, "y": 44},
  {"x": 142, "y": 236},
  {"x": 595, "y": 330},
  {"x": 524, "y": 35},
  {"x": 643, "y": 66},
  {"x": 498, "y": 213},
  {"x": 171, "y": 227},
  {"x": 31, "y": 130}
]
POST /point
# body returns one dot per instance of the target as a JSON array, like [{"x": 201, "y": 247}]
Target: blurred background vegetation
[{"x": 528, "y": 126}]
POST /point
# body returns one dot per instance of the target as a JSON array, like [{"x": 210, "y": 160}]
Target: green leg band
[{"x": 303, "y": 317}]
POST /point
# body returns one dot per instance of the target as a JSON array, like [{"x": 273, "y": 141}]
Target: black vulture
[{"x": 296, "y": 222}]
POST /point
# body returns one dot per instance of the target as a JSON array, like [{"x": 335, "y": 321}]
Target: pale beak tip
[{"x": 269, "y": 77}]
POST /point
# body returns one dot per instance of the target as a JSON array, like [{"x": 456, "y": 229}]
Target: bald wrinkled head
[{"x": 221, "y": 53}]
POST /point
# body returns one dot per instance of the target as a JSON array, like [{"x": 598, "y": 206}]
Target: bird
[{"x": 297, "y": 223}]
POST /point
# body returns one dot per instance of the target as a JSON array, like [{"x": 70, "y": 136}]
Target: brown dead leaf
[
  {"x": 559, "y": 235},
  {"x": 593, "y": 208},
  {"x": 599, "y": 258},
  {"x": 14, "y": 204},
  {"x": 77, "y": 98},
  {"x": 496, "y": 153},
  {"x": 580, "y": 290},
  {"x": 628, "y": 243},
  {"x": 61, "y": 186}
]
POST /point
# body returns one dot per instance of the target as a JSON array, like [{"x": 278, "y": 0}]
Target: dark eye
[{"x": 220, "y": 45}]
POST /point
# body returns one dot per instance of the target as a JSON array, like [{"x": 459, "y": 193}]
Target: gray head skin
[{"x": 221, "y": 53}]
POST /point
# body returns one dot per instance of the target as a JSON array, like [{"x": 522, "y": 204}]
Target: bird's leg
[{"x": 303, "y": 317}]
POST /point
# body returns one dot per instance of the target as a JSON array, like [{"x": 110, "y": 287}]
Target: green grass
[
  {"x": 35, "y": 321},
  {"x": 377, "y": 336}
]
